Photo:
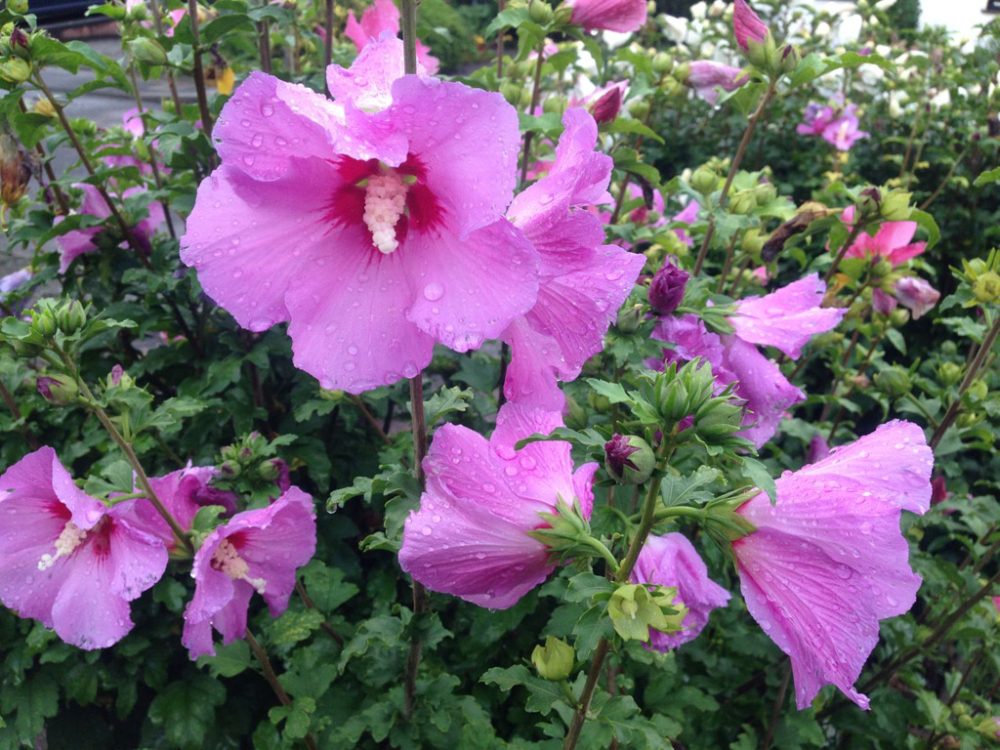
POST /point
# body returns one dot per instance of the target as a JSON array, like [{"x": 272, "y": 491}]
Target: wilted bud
[
  {"x": 893, "y": 381},
  {"x": 949, "y": 373},
  {"x": 57, "y": 389},
  {"x": 818, "y": 449},
  {"x": 147, "y": 51},
  {"x": 553, "y": 661},
  {"x": 742, "y": 202},
  {"x": 606, "y": 108},
  {"x": 71, "y": 317},
  {"x": 667, "y": 290},
  {"x": 986, "y": 288},
  {"x": 15, "y": 70},
  {"x": 15, "y": 170},
  {"x": 629, "y": 319},
  {"x": 704, "y": 180},
  {"x": 919, "y": 296},
  {"x": 895, "y": 206},
  {"x": 540, "y": 12},
  {"x": 629, "y": 459}
]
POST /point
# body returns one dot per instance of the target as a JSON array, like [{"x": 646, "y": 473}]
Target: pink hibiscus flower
[
  {"x": 837, "y": 127},
  {"x": 917, "y": 295},
  {"x": 257, "y": 551},
  {"x": 373, "y": 225},
  {"x": 609, "y": 15},
  {"x": 583, "y": 282},
  {"x": 183, "y": 493},
  {"x": 785, "y": 319},
  {"x": 380, "y": 17},
  {"x": 469, "y": 538},
  {"x": 671, "y": 560},
  {"x": 827, "y": 562},
  {"x": 68, "y": 560},
  {"x": 706, "y": 77},
  {"x": 747, "y": 26},
  {"x": 891, "y": 241},
  {"x": 79, "y": 242}
]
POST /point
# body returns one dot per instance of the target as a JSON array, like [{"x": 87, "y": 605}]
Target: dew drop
[{"x": 433, "y": 291}]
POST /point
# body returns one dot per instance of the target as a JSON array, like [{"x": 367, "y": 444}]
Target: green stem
[
  {"x": 199, "y": 71},
  {"x": 536, "y": 92},
  {"x": 408, "y": 19},
  {"x": 733, "y": 168}
]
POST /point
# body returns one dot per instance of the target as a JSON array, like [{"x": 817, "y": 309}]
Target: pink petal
[
  {"x": 900, "y": 255},
  {"x": 671, "y": 560},
  {"x": 787, "y": 318},
  {"x": 747, "y": 25},
  {"x": 609, "y": 15},
  {"x": 472, "y": 288},
  {"x": 894, "y": 234},
  {"x": 367, "y": 84},
  {"x": 532, "y": 372},
  {"x": 236, "y": 226},
  {"x": 468, "y": 141},
  {"x": 349, "y": 317}
]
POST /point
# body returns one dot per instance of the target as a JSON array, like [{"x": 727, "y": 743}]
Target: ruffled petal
[
  {"x": 137, "y": 559},
  {"x": 535, "y": 359},
  {"x": 469, "y": 290},
  {"x": 349, "y": 317},
  {"x": 787, "y": 318},
  {"x": 767, "y": 392},
  {"x": 250, "y": 240}
]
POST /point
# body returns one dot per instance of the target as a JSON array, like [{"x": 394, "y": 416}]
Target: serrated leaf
[{"x": 757, "y": 473}]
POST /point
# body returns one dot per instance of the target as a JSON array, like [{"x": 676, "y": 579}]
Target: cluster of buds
[
  {"x": 758, "y": 44},
  {"x": 636, "y": 608},
  {"x": 878, "y": 203},
  {"x": 251, "y": 467},
  {"x": 686, "y": 404},
  {"x": 983, "y": 279}
]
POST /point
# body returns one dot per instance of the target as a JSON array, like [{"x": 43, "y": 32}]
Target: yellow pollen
[
  {"x": 228, "y": 560},
  {"x": 69, "y": 539},
  {"x": 385, "y": 202}
]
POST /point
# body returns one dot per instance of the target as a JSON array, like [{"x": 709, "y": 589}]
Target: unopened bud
[
  {"x": 765, "y": 193},
  {"x": 752, "y": 242},
  {"x": 978, "y": 390},
  {"x": 704, "y": 180},
  {"x": 57, "y": 389},
  {"x": 662, "y": 62},
  {"x": 563, "y": 15},
  {"x": 639, "y": 109},
  {"x": 666, "y": 292},
  {"x": 742, "y": 202},
  {"x": 15, "y": 70},
  {"x": 893, "y": 381},
  {"x": 147, "y": 51},
  {"x": 43, "y": 322},
  {"x": 18, "y": 6},
  {"x": 629, "y": 319},
  {"x": 606, "y": 108},
  {"x": 229, "y": 469},
  {"x": 511, "y": 92},
  {"x": 540, "y": 12},
  {"x": 71, "y": 317},
  {"x": 986, "y": 288},
  {"x": 553, "y": 661},
  {"x": 19, "y": 41},
  {"x": 895, "y": 206},
  {"x": 789, "y": 59},
  {"x": 949, "y": 373},
  {"x": 555, "y": 104},
  {"x": 629, "y": 459}
]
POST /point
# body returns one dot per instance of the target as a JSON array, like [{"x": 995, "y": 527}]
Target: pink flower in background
[
  {"x": 996, "y": 605},
  {"x": 10, "y": 284},
  {"x": 380, "y": 17},
  {"x": 605, "y": 103},
  {"x": 837, "y": 127},
  {"x": 671, "y": 560},
  {"x": 469, "y": 538},
  {"x": 827, "y": 562},
  {"x": 818, "y": 449},
  {"x": 883, "y": 303},
  {"x": 785, "y": 319},
  {"x": 891, "y": 241},
  {"x": 609, "y": 15},
  {"x": 917, "y": 295},
  {"x": 79, "y": 242},
  {"x": 387, "y": 209},
  {"x": 183, "y": 493},
  {"x": 939, "y": 490},
  {"x": 582, "y": 282},
  {"x": 687, "y": 215},
  {"x": 257, "y": 551},
  {"x": 706, "y": 77},
  {"x": 67, "y": 560},
  {"x": 747, "y": 26}
]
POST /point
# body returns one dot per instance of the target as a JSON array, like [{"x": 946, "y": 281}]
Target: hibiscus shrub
[{"x": 554, "y": 377}]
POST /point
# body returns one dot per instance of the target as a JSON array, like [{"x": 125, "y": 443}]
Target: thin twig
[
  {"x": 152, "y": 151},
  {"x": 199, "y": 71},
  {"x": 370, "y": 419},
  {"x": 536, "y": 92},
  {"x": 779, "y": 701},
  {"x": 310, "y": 604}
]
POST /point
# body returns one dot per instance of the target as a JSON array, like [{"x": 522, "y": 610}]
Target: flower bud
[
  {"x": 57, "y": 389},
  {"x": 629, "y": 319},
  {"x": 540, "y": 12},
  {"x": 563, "y": 15},
  {"x": 554, "y": 103},
  {"x": 511, "y": 92},
  {"x": 606, "y": 108},
  {"x": 629, "y": 459},
  {"x": 765, "y": 193},
  {"x": 978, "y": 390},
  {"x": 667, "y": 290},
  {"x": 147, "y": 51},
  {"x": 742, "y": 202},
  {"x": 752, "y": 241},
  {"x": 899, "y": 317},
  {"x": 883, "y": 303},
  {"x": 15, "y": 70},
  {"x": 893, "y": 381},
  {"x": 634, "y": 609},
  {"x": 639, "y": 109},
  {"x": 18, "y": 6},
  {"x": 43, "y": 322},
  {"x": 553, "y": 661},
  {"x": 868, "y": 204},
  {"x": 986, "y": 288},
  {"x": 818, "y": 449},
  {"x": 19, "y": 42},
  {"x": 790, "y": 59},
  {"x": 662, "y": 63},
  {"x": 949, "y": 373},
  {"x": 71, "y": 317},
  {"x": 704, "y": 180},
  {"x": 229, "y": 469}
]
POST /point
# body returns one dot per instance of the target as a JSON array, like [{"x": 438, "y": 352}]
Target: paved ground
[{"x": 104, "y": 106}]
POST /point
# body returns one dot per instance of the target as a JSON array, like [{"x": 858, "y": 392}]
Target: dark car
[{"x": 55, "y": 11}]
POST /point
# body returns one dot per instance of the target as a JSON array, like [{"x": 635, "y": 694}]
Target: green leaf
[
  {"x": 635, "y": 127},
  {"x": 295, "y": 626},
  {"x": 757, "y": 473},
  {"x": 896, "y": 339},
  {"x": 508, "y": 19},
  {"x": 186, "y": 710},
  {"x": 987, "y": 177},
  {"x": 614, "y": 392},
  {"x": 542, "y": 694},
  {"x": 926, "y": 222},
  {"x": 228, "y": 661},
  {"x": 213, "y": 31},
  {"x": 326, "y": 586},
  {"x": 446, "y": 402},
  {"x": 687, "y": 490}
]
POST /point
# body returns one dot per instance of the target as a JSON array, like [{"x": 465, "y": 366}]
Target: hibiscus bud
[
  {"x": 789, "y": 59},
  {"x": 917, "y": 295},
  {"x": 606, "y": 108},
  {"x": 869, "y": 203},
  {"x": 752, "y": 241},
  {"x": 553, "y": 661},
  {"x": 704, "y": 180},
  {"x": 563, "y": 15},
  {"x": 662, "y": 63},
  {"x": 667, "y": 290},
  {"x": 818, "y": 449},
  {"x": 147, "y": 51},
  {"x": 881, "y": 268},
  {"x": 629, "y": 459},
  {"x": 43, "y": 322},
  {"x": 895, "y": 206},
  {"x": 18, "y": 6},
  {"x": 893, "y": 381},
  {"x": 71, "y": 317},
  {"x": 511, "y": 92},
  {"x": 939, "y": 490},
  {"x": 742, "y": 202},
  {"x": 229, "y": 469},
  {"x": 57, "y": 389},
  {"x": 115, "y": 376},
  {"x": 540, "y": 12},
  {"x": 949, "y": 373},
  {"x": 899, "y": 317},
  {"x": 15, "y": 70},
  {"x": 19, "y": 39},
  {"x": 629, "y": 319},
  {"x": 883, "y": 303},
  {"x": 639, "y": 109},
  {"x": 986, "y": 288},
  {"x": 978, "y": 391},
  {"x": 747, "y": 26},
  {"x": 765, "y": 193}
]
